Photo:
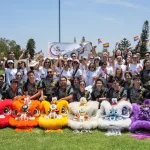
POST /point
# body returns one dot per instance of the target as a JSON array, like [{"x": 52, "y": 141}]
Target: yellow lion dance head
[{"x": 54, "y": 115}]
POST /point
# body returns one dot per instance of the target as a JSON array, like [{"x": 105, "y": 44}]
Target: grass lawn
[{"x": 39, "y": 140}]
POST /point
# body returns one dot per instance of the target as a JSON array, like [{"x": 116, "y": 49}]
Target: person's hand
[
  {"x": 5, "y": 58},
  {"x": 41, "y": 98},
  {"x": 16, "y": 97},
  {"x": 105, "y": 71},
  {"x": 94, "y": 78}
]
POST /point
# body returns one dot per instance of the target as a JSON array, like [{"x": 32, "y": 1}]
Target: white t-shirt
[
  {"x": 10, "y": 74},
  {"x": 110, "y": 70},
  {"x": 83, "y": 69},
  {"x": 67, "y": 74},
  {"x": 102, "y": 73},
  {"x": 24, "y": 74},
  {"x": 43, "y": 72},
  {"x": 90, "y": 76},
  {"x": 78, "y": 73},
  {"x": 123, "y": 67},
  {"x": 37, "y": 75},
  {"x": 135, "y": 68}
]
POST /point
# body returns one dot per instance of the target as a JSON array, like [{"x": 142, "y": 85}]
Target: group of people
[{"x": 121, "y": 76}]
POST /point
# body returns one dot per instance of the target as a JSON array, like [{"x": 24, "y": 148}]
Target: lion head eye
[
  {"x": 64, "y": 110},
  {"x": 36, "y": 112},
  {"x": 7, "y": 110}
]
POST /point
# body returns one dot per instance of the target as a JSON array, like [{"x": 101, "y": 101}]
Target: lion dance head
[
  {"x": 5, "y": 112},
  {"x": 25, "y": 114},
  {"x": 54, "y": 115}
]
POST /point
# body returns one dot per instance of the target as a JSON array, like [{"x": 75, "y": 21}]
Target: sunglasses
[
  {"x": 49, "y": 71},
  {"x": 73, "y": 56},
  {"x": 75, "y": 62},
  {"x": 82, "y": 84}
]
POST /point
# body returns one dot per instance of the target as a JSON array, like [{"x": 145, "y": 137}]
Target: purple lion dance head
[{"x": 141, "y": 117}]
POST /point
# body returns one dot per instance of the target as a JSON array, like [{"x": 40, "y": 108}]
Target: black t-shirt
[
  {"x": 63, "y": 92},
  {"x": 136, "y": 95},
  {"x": 32, "y": 89},
  {"x": 10, "y": 94},
  {"x": 3, "y": 90},
  {"x": 98, "y": 94},
  {"x": 119, "y": 94},
  {"x": 49, "y": 87},
  {"x": 145, "y": 77},
  {"x": 78, "y": 94},
  {"x": 127, "y": 85}
]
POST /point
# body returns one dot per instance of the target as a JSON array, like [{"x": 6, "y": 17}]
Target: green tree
[
  {"x": 7, "y": 45},
  {"x": 143, "y": 39},
  {"x": 124, "y": 45},
  {"x": 31, "y": 47}
]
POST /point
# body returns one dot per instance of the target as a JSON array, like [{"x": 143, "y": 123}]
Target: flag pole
[{"x": 59, "y": 24}]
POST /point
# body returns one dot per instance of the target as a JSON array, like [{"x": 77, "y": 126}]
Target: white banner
[{"x": 67, "y": 48}]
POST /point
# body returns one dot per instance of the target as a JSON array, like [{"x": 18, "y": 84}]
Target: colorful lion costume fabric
[
  {"x": 115, "y": 117},
  {"x": 141, "y": 120},
  {"x": 25, "y": 114},
  {"x": 54, "y": 115},
  {"x": 5, "y": 112},
  {"x": 83, "y": 115}
]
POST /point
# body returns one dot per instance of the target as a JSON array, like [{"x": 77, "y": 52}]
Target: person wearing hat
[
  {"x": 116, "y": 91},
  {"x": 136, "y": 94},
  {"x": 69, "y": 62},
  {"x": 10, "y": 71},
  {"x": 13, "y": 91},
  {"x": 34, "y": 66},
  {"x": 76, "y": 70},
  {"x": 97, "y": 63},
  {"x": 33, "y": 88}
]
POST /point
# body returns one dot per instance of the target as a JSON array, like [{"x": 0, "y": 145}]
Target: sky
[{"x": 111, "y": 20}]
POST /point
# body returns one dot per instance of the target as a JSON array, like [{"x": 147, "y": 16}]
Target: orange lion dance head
[{"x": 25, "y": 114}]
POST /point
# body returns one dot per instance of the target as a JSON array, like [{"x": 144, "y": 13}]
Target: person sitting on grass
[
  {"x": 81, "y": 92},
  {"x": 13, "y": 91},
  {"x": 64, "y": 91},
  {"x": 116, "y": 91},
  {"x": 33, "y": 88},
  {"x": 99, "y": 91}
]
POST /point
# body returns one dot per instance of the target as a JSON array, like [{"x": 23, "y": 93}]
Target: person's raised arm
[{"x": 94, "y": 51}]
